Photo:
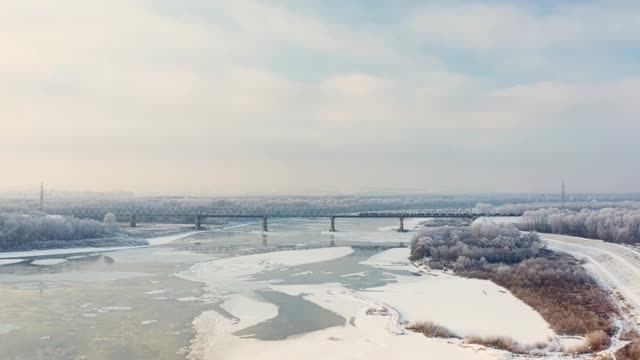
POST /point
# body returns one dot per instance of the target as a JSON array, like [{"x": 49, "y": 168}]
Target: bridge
[{"x": 199, "y": 214}]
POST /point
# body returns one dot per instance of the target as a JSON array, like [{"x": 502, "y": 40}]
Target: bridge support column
[
  {"x": 198, "y": 222},
  {"x": 333, "y": 224},
  {"x": 401, "y": 228},
  {"x": 133, "y": 221},
  {"x": 264, "y": 224}
]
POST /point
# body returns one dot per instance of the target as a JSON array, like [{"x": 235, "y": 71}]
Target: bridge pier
[
  {"x": 264, "y": 224},
  {"x": 198, "y": 222},
  {"x": 133, "y": 221},
  {"x": 333, "y": 224},
  {"x": 401, "y": 228}
]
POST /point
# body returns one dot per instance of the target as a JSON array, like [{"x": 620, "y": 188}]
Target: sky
[{"x": 205, "y": 97}]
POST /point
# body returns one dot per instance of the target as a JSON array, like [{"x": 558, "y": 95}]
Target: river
[{"x": 130, "y": 304}]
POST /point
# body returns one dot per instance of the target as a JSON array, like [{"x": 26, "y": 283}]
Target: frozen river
[
  {"x": 141, "y": 303},
  {"x": 239, "y": 293}
]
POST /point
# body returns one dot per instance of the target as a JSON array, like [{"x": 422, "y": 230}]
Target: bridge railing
[{"x": 95, "y": 212}]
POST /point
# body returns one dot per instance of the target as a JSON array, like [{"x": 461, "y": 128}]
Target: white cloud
[
  {"x": 131, "y": 94},
  {"x": 502, "y": 26}
]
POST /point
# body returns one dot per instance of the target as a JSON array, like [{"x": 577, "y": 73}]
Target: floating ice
[
  {"x": 45, "y": 262},
  {"x": 7, "y": 328}
]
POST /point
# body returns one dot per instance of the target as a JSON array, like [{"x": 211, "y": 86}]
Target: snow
[
  {"x": 304, "y": 273},
  {"x": 617, "y": 266},
  {"x": 369, "y": 339},
  {"x": 214, "y": 337},
  {"x": 409, "y": 224},
  {"x": 114, "y": 308},
  {"x": 465, "y": 306},
  {"x": 429, "y": 297},
  {"x": 392, "y": 259},
  {"x": 7, "y": 328},
  {"x": 45, "y": 262},
  {"x": 500, "y": 219},
  {"x": 10, "y": 261},
  {"x": 188, "y": 299},
  {"x": 222, "y": 274},
  {"x": 32, "y": 253},
  {"x": 75, "y": 276},
  {"x": 364, "y": 336},
  {"x": 357, "y": 274},
  {"x": 383, "y": 234},
  {"x": 473, "y": 312},
  {"x": 156, "y": 292},
  {"x": 571, "y": 343},
  {"x": 165, "y": 255},
  {"x": 162, "y": 240}
]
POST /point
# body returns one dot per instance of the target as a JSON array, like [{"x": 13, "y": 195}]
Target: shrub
[
  {"x": 563, "y": 293},
  {"x": 598, "y": 340},
  {"x": 430, "y": 329},
  {"x": 630, "y": 352},
  {"x": 498, "y": 342}
]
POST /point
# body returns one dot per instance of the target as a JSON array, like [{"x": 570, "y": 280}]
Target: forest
[
  {"x": 37, "y": 230},
  {"x": 619, "y": 225}
]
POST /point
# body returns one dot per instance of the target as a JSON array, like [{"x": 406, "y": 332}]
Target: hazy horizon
[{"x": 287, "y": 97}]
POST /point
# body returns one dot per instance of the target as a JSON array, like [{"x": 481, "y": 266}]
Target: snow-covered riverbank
[
  {"x": 466, "y": 306},
  {"x": 161, "y": 240}
]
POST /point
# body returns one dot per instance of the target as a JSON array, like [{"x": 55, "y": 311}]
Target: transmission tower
[
  {"x": 42, "y": 196},
  {"x": 563, "y": 196}
]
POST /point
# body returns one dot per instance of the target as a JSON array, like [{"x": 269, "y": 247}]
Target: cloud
[
  {"x": 235, "y": 96},
  {"x": 508, "y": 26}
]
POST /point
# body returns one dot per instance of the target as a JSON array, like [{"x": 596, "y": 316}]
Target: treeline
[
  {"x": 572, "y": 205},
  {"x": 556, "y": 286},
  {"x": 611, "y": 224},
  {"x": 41, "y": 231}
]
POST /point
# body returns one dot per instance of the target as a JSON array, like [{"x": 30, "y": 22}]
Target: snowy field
[{"x": 466, "y": 306}]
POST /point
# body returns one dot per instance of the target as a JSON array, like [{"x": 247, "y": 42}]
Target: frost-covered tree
[
  {"x": 478, "y": 244},
  {"x": 22, "y": 232},
  {"x": 618, "y": 225},
  {"x": 109, "y": 219},
  {"x": 483, "y": 208}
]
